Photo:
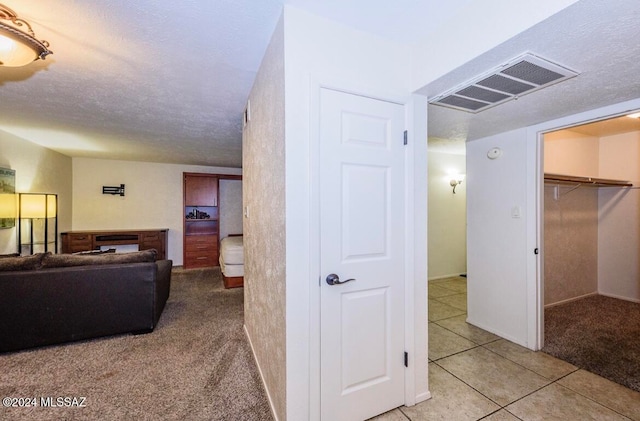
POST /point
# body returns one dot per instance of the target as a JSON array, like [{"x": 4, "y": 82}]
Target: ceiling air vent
[{"x": 520, "y": 76}]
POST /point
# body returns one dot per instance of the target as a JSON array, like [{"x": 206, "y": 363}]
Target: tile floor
[{"x": 475, "y": 375}]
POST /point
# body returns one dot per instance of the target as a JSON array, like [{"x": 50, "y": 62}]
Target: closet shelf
[{"x": 586, "y": 181}]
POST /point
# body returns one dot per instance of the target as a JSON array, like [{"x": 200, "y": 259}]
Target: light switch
[
  {"x": 515, "y": 212},
  {"x": 246, "y": 211}
]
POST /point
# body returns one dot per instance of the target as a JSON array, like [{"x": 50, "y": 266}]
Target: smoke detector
[{"x": 520, "y": 76}]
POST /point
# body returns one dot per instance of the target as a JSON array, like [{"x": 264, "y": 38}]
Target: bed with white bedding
[{"x": 232, "y": 261}]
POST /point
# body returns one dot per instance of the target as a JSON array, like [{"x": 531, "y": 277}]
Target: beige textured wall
[
  {"x": 263, "y": 158},
  {"x": 571, "y": 243},
  {"x": 38, "y": 170},
  {"x": 570, "y": 218},
  {"x": 153, "y": 197}
]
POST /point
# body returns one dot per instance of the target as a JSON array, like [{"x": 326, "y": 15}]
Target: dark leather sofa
[{"x": 50, "y": 305}]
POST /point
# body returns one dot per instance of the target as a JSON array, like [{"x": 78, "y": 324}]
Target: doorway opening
[{"x": 591, "y": 237}]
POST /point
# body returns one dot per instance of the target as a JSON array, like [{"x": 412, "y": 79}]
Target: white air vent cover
[{"x": 522, "y": 75}]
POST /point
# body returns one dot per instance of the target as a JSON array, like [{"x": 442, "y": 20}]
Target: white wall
[
  {"x": 447, "y": 227},
  {"x": 619, "y": 218},
  {"x": 571, "y": 153},
  {"x": 320, "y": 52},
  {"x": 230, "y": 207},
  {"x": 38, "y": 170},
  {"x": 153, "y": 197},
  {"x": 497, "y": 246}
]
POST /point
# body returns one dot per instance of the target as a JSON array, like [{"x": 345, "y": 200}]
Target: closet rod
[{"x": 587, "y": 181}]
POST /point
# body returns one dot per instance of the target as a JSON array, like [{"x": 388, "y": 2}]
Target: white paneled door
[{"x": 362, "y": 225}]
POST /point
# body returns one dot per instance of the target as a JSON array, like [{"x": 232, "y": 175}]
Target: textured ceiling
[
  {"x": 147, "y": 80},
  {"x": 153, "y": 80},
  {"x": 590, "y": 36},
  {"x": 160, "y": 81}
]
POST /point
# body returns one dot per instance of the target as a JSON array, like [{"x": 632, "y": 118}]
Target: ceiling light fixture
[{"x": 18, "y": 45}]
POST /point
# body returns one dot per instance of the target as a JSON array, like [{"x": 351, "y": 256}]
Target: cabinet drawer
[
  {"x": 200, "y": 259},
  {"x": 201, "y": 239},
  {"x": 150, "y": 236},
  {"x": 79, "y": 239},
  {"x": 201, "y": 247},
  {"x": 77, "y": 243},
  {"x": 200, "y": 251}
]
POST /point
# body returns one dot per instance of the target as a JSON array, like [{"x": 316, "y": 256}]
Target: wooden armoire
[{"x": 202, "y": 218}]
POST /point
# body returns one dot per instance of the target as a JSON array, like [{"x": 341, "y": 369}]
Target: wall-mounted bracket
[{"x": 113, "y": 190}]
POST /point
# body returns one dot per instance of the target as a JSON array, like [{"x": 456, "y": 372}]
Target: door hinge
[
  {"x": 535, "y": 251},
  {"x": 406, "y": 137},
  {"x": 406, "y": 359}
]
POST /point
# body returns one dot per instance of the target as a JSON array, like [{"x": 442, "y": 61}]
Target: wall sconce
[
  {"x": 455, "y": 180},
  {"x": 113, "y": 190},
  {"x": 19, "y": 47}
]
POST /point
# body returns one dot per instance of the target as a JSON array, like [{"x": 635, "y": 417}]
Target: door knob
[{"x": 333, "y": 279}]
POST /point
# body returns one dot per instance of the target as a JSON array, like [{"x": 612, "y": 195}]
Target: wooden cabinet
[
  {"x": 200, "y": 190},
  {"x": 73, "y": 242},
  {"x": 77, "y": 241},
  {"x": 153, "y": 240},
  {"x": 201, "y": 220},
  {"x": 201, "y": 250}
]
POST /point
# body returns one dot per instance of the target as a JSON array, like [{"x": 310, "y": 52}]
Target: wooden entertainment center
[{"x": 77, "y": 241}]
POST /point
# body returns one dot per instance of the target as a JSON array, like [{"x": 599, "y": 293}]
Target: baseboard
[
  {"x": 495, "y": 332},
  {"x": 568, "y": 300},
  {"x": 620, "y": 297},
  {"x": 453, "y": 275},
  {"x": 423, "y": 397},
  {"x": 264, "y": 384}
]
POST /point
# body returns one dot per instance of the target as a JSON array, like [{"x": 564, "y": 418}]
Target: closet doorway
[{"x": 592, "y": 247}]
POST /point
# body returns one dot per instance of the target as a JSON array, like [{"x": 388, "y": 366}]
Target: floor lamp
[{"x": 40, "y": 208}]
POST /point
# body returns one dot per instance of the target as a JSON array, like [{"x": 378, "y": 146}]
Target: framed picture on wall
[{"x": 7, "y": 198}]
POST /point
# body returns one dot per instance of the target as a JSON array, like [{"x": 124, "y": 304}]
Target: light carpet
[{"x": 196, "y": 365}]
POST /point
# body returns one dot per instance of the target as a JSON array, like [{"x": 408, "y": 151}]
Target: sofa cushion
[
  {"x": 2, "y": 256},
  {"x": 66, "y": 260},
  {"x": 13, "y": 263}
]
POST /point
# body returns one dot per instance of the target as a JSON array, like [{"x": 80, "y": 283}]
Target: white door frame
[
  {"x": 535, "y": 190},
  {"x": 416, "y": 386}
]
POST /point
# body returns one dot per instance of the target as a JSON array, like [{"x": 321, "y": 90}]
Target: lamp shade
[
  {"x": 18, "y": 47},
  {"x": 52, "y": 206},
  {"x": 34, "y": 205},
  {"x": 7, "y": 205},
  {"x": 14, "y": 53}
]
